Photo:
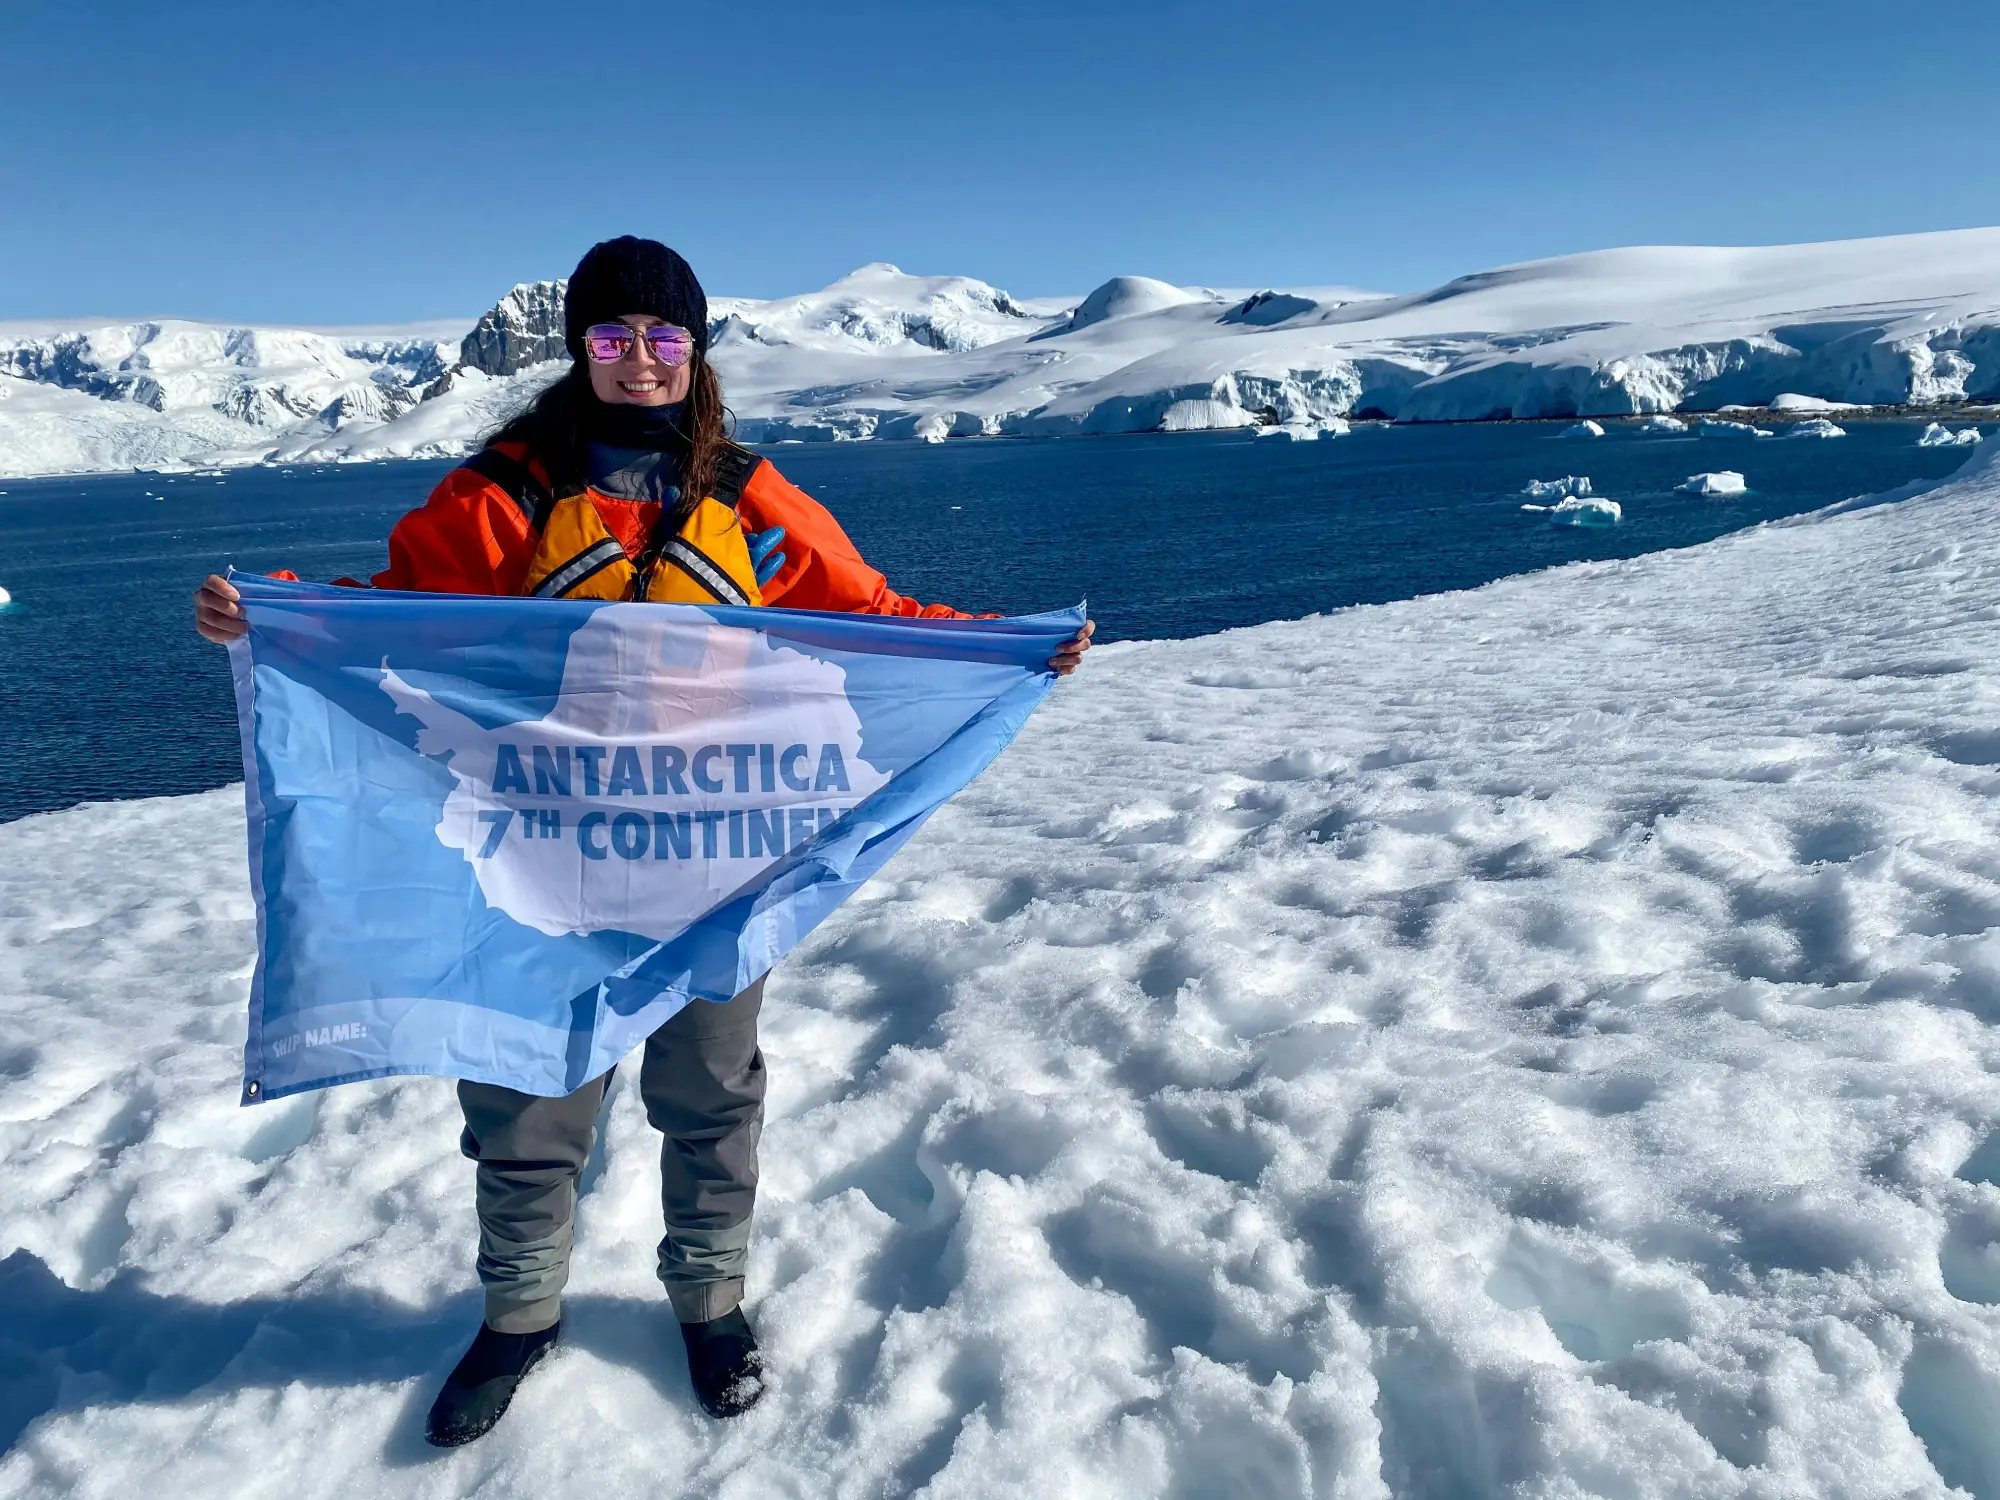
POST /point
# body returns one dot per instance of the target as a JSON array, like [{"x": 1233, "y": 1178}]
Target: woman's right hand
[{"x": 217, "y": 615}]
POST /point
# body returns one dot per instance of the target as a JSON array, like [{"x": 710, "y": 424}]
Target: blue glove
[{"x": 765, "y": 560}]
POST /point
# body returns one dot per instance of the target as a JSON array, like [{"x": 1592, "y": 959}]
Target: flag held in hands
[{"x": 505, "y": 839}]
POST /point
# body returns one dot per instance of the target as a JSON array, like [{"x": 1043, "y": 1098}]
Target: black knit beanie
[{"x": 631, "y": 275}]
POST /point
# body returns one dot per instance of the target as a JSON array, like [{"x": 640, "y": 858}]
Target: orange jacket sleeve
[
  {"x": 822, "y": 570},
  {"x": 468, "y": 538}
]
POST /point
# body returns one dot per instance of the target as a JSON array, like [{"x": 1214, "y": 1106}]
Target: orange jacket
[{"x": 470, "y": 537}]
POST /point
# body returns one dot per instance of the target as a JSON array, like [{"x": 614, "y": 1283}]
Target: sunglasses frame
[{"x": 633, "y": 335}]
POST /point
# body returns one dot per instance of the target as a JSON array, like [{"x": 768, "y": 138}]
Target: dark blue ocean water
[{"x": 106, "y": 691}]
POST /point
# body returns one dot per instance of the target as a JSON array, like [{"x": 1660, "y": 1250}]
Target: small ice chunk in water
[
  {"x": 1591, "y": 510},
  {"x": 1663, "y": 424},
  {"x": 1713, "y": 427},
  {"x": 1937, "y": 435},
  {"x": 1558, "y": 489},
  {"x": 1725, "y": 482},
  {"x": 1584, "y": 429},
  {"x": 1818, "y": 427},
  {"x": 1303, "y": 432},
  {"x": 5, "y": 598}
]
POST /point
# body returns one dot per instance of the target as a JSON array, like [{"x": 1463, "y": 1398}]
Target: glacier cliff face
[{"x": 882, "y": 354}]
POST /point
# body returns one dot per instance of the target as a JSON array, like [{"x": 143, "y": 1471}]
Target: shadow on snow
[{"x": 67, "y": 1350}]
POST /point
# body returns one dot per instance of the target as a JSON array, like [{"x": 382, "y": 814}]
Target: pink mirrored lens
[
  {"x": 607, "y": 343},
  {"x": 670, "y": 345}
]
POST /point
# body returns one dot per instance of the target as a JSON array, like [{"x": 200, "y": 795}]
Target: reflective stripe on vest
[{"x": 707, "y": 562}]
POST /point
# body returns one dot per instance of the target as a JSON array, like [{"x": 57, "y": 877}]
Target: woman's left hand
[
  {"x": 1070, "y": 654},
  {"x": 765, "y": 559}
]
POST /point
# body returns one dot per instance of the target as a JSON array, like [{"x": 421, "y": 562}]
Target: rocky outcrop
[
  {"x": 1266, "y": 309},
  {"x": 524, "y": 328}
]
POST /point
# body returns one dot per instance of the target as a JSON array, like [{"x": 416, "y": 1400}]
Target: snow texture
[
  {"x": 1724, "y": 483},
  {"x": 1913, "y": 319},
  {"x": 1530, "y": 1041}
]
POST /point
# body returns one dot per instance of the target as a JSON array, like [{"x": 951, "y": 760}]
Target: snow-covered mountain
[
  {"x": 170, "y": 392},
  {"x": 1913, "y": 319}
]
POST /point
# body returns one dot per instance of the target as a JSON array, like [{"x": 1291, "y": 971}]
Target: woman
[{"x": 620, "y": 483}]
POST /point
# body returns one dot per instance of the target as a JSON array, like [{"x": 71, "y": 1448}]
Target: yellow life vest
[
  {"x": 576, "y": 557},
  {"x": 706, "y": 562}
]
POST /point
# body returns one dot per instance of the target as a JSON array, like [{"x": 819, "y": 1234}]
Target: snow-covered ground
[
  {"x": 1532, "y": 1041},
  {"x": 1913, "y": 319}
]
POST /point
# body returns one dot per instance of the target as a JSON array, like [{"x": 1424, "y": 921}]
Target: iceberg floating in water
[
  {"x": 1724, "y": 482},
  {"x": 1584, "y": 429},
  {"x": 1558, "y": 489},
  {"x": 1715, "y": 427},
  {"x": 1302, "y": 432},
  {"x": 1663, "y": 424},
  {"x": 1818, "y": 427},
  {"x": 1939, "y": 436},
  {"x": 5, "y": 598},
  {"x": 1588, "y": 510}
]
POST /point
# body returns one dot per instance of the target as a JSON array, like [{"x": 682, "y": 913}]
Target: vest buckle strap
[{"x": 516, "y": 481}]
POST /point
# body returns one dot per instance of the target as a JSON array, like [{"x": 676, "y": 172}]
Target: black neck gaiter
[{"x": 621, "y": 425}]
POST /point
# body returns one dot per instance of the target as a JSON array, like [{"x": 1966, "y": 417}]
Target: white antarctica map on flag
[
  {"x": 682, "y": 758},
  {"x": 506, "y": 839}
]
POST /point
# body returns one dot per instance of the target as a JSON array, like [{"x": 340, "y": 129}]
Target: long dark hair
[{"x": 556, "y": 429}]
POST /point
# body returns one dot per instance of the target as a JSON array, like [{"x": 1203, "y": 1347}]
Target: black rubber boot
[
  {"x": 476, "y": 1394},
  {"x": 723, "y": 1362}
]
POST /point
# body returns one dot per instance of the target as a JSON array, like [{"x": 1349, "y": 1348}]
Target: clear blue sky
[{"x": 357, "y": 163}]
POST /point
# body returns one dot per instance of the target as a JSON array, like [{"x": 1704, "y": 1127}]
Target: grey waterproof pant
[{"x": 702, "y": 1080}]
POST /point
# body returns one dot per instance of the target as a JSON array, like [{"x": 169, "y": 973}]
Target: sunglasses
[{"x": 607, "y": 343}]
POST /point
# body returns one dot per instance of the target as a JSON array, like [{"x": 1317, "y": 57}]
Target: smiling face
[{"x": 639, "y": 379}]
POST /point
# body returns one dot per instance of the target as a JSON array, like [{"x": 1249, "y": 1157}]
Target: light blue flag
[{"x": 505, "y": 839}]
